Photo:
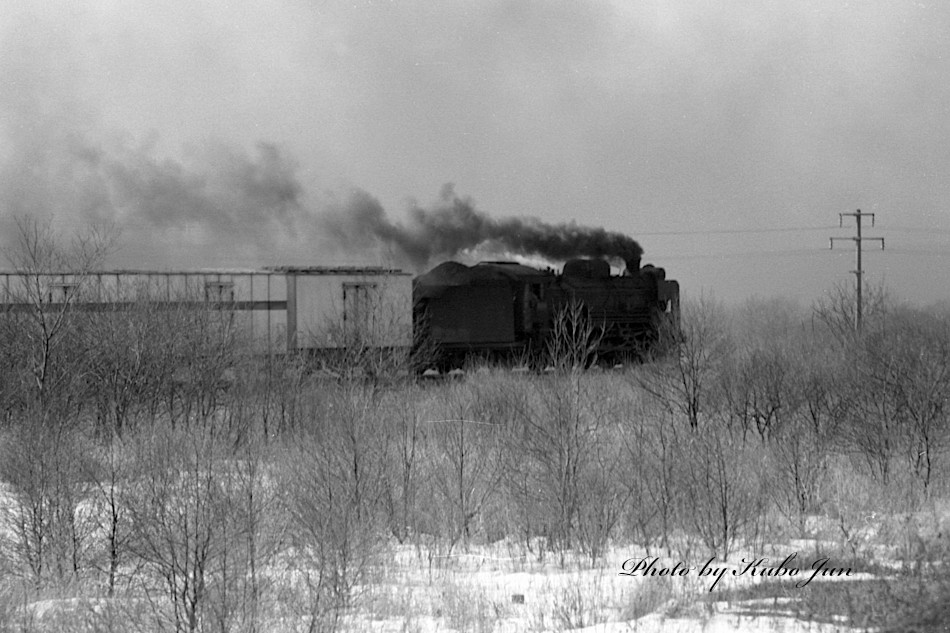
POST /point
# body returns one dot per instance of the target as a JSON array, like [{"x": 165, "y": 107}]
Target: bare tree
[
  {"x": 128, "y": 365},
  {"x": 184, "y": 518},
  {"x": 873, "y": 426},
  {"x": 51, "y": 278},
  {"x": 800, "y": 455},
  {"x": 258, "y": 521},
  {"x": 46, "y": 466},
  {"x": 758, "y": 390},
  {"x": 278, "y": 385},
  {"x": 574, "y": 338},
  {"x": 201, "y": 349},
  {"x": 551, "y": 446},
  {"x": 917, "y": 373},
  {"x": 605, "y": 494},
  {"x": 653, "y": 450},
  {"x": 110, "y": 475},
  {"x": 333, "y": 476},
  {"x": 406, "y": 446},
  {"x": 721, "y": 487},
  {"x": 684, "y": 380},
  {"x": 467, "y": 475},
  {"x": 835, "y": 311},
  {"x": 45, "y": 364}
]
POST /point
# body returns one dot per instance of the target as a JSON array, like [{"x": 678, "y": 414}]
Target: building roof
[
  {"x": 267, "y": 270},
  {"x": 337, "y": 270}
]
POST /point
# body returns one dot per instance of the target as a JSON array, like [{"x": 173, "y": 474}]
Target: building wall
[
  {"x": 362, "y": 308},
  {"x": 279, "y": 309}
]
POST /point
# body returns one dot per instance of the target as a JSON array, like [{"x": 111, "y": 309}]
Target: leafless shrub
[
  {"x": 650, "y": 597},
  {"x": 836, "y": 311},
  {"x": 800, "y": 458},
  {"x": 897, "y": 379},
  {"x": 46, "y": 465},
  {"x": 149, "y": 358},
  {"x": 129, "y": 364},
  {"x": 575, "y": 606},
  {"x": 467, "y": 474},
  {"x": 110, "y": 473},
  {"x": 12, "y": 615},
  {"x": 240, "y": 598},
  {"x": 921, "y": 385},
  {"x": 722, "y": 495},
  {"x": 551, "y": 453},
  {"x": 605, "y": 497},
  {"x": 562, "y": 458},
  {"x": 775, "y": 393},
  {"x": 203, "y": 353},
  {"x": 273, "y": 393},
  {"x": 652, "y": 449},
  {"x": 758, "y": 389},
  {"x": 851, "y": 500},
  {"x": 333, "y": 479},
  {"x": 469, "y": 608},
  {"x": 41, "y": 315},
  {"x": 407, "y": 431},
  {"x": 574, "y": 338},
  {"x": 186, "y": 521},
  {"x": 562, "y": 463},
  {"x": 684, "y": 379}
]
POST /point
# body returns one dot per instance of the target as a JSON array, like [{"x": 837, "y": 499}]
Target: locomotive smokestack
[
  {"x": 633, "y": 265},
  {"x": 454, "y": 226}
]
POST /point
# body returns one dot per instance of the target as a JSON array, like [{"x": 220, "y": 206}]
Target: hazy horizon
[{"x": 725, "y": 141}]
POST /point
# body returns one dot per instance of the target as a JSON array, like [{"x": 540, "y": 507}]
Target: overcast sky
[{"x": 725, "y": 137}]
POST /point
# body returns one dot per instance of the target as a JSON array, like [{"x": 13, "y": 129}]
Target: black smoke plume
[
  {"x": 222, "y": 205},
  {"x": 453, "y": 226},
  {"x": 219, "y": 205}
]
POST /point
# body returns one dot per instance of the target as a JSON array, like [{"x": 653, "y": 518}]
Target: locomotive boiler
[{"x": 506, "y": 309}]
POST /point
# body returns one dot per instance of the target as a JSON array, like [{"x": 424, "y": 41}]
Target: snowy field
[{"x": 511, "y": 587}]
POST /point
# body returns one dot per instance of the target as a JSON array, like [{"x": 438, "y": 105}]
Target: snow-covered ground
[
  {"x": 499, "y": 588},
  {"x": 490, "y": 589},
  {"x": 509, "y": 587}
]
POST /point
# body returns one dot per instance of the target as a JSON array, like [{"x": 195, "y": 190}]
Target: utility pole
[{"x": 858, "y": 272}]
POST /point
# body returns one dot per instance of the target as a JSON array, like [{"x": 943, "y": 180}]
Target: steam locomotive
[{"x": 506, "y": 309}]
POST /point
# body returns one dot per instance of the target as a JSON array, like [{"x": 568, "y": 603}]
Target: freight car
[
  {"x": 506, "y": 309},
  {"x": 286, "y": 308}
]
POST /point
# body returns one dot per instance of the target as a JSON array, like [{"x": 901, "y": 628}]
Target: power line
[
  {"x": 916, "y": 229},
  {"x": 788, "y": 229},
  {"x": 792, "y": 229},
  {"x": 797, "y": 251},
  {"x": 917, "y": 251}
]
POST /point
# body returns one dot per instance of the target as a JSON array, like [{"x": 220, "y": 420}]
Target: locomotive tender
[{"x": 509, "y": 309}]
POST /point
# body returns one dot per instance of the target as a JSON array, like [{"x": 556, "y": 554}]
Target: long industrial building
[{"x": 283, "y": 308}]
